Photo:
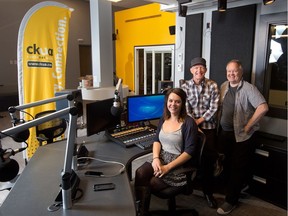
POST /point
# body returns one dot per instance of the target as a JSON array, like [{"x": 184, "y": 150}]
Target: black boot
[{"x": 143, "y": 196}]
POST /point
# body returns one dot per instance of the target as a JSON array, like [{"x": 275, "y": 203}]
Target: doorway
[
  {"x": 85, "y": 57},
  {"x": 153, "y": 64}
]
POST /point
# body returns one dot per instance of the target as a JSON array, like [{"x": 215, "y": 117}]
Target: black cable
[
  {"x": 56, "y": 206},
  {"x": 80, "y": 196},
  {"x": 106, "y": 161},
  {"x": 26, "y": 113}
]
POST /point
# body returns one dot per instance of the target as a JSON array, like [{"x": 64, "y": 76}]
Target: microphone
[
  {"x": 117, "y": 109},
  {"x": 9, "y": 168},
  {"x": 5, "y": 155},
  {"x": 20, "y": 136}
]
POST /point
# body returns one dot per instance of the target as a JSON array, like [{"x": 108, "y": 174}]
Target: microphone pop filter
[{"x": 9, "y": 169}]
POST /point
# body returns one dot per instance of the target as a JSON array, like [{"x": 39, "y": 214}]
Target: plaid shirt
[{"x": 202, "y": 101}]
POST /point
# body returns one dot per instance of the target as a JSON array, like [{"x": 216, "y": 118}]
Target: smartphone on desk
[
  {"x": 104, "y": 186},
  {"x": 93, "y": 173}
]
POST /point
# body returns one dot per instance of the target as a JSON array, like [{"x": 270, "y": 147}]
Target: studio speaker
[
  {"x": 172, "y": 30},
  {"x": 78, "y": 103},
  {"x": 182, "y": 10},
  {"x": 114, "y": 37}
]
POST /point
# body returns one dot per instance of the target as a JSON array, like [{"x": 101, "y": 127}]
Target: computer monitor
[
  {"x": 99, "y": 117},
  {"x": 141, "y": 108}
]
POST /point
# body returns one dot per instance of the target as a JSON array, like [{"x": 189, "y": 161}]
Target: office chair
[
  {"x": 181, "y": 82},
  {"x": 46, "y": 132},
  {"x": 170, "y": 193}
]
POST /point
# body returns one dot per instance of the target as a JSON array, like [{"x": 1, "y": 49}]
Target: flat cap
[{"x": 198, "y": 61}]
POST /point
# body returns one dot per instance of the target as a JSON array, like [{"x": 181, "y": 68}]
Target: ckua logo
[{"x": 40, "y": 51}]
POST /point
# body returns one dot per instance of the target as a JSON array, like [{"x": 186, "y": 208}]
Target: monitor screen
[
  {"x": 99, "y": 116},
  {"x": 145, "y": 107}
]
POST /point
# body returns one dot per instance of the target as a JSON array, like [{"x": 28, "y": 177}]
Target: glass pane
[
  {"x": 277, "y": 67},
  {"x": 149, "y": 73},
  {"x": 158, "y": 63},
  {"x": 162, "y": 68},
  {"x": 141, "y": 71},
  {"x": 167, "y": 66}
]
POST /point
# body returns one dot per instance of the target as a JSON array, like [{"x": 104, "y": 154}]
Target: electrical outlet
[{"x": 179, "y": 67}]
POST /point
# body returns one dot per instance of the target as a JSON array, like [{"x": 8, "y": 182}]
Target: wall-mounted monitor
[{"x": 141, "y": 108}]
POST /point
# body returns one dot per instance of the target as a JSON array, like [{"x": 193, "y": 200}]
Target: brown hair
[{"x": 182, "y": 95}]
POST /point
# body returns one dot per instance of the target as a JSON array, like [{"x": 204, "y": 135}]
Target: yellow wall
[{"x": 140, "y": 26}]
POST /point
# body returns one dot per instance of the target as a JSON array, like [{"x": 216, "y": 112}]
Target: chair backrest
[
  {"x": 195, "y": 161},
  {"x": 51, "y": 129},
  {"x": 181, "y": 82}
]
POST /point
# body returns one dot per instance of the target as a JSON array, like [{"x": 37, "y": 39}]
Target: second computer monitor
[
  {"x": 141, "y": 108},
  {"x": 99, "y": 116}
]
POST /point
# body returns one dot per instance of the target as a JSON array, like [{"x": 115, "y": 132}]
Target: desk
[{"x": 38, "y": 185}]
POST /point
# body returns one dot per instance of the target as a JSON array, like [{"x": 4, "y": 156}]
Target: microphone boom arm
[
  {"x": 72, "y": 111},
  {"x": 13, "y": 109},
  {"x": 40, "y": 102},
  {"x": 34, "y": 122}
]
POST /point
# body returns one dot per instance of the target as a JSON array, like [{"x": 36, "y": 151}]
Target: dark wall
[
  {"x": 193, "y": 41},
  {"x": 232, "y": 37}
]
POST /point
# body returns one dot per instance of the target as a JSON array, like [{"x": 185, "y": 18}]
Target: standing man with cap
[{"x": 202, "y": 104}]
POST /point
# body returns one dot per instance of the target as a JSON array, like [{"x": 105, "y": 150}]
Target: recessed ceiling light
[
  {"x": 115, "y": 0},
  {"x": 267, "y": 2}
]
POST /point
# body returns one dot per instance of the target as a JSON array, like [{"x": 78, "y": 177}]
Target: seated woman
[{"x": 174, "y": 145}]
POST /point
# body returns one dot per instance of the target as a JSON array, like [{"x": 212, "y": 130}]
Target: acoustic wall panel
[
  {"x": 232, "y": 37},
  {"x": 193, "y": 41}
]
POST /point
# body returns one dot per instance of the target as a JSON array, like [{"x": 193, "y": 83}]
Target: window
[
  {"x": 277, "y": 66},
  {"x": 271, "y": 65}
]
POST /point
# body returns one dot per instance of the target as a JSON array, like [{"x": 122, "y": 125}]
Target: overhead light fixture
[
  {"x": 268, "y": 2},
  {"x": 222, "y": 5}
]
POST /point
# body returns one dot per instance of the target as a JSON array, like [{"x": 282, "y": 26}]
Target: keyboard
[{"x": 141, "y": 136}]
